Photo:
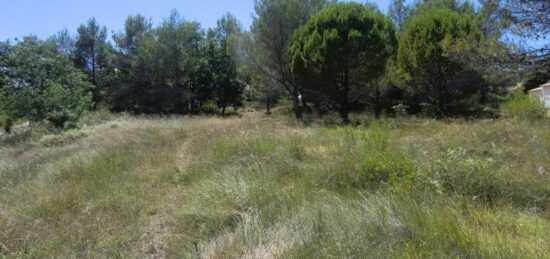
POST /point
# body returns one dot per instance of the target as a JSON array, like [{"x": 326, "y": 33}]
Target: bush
[
  {"x": 98, "y": 116},
  {"x": 400, "y": 109},
  {"x": 62, "y": 119},
  {"x": 522, "y": 106},
  {"x": 429, "y": 110},
  {"x": 536, "y": 79},
  {"x": 456, "y": 172},
  {"x": 385, "y": 167},
  {"x": 209, "y": 108}
]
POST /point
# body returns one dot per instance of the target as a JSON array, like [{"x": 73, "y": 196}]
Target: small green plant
[
  {"x": 62, "y": 119},
  {"x": 400, "y": 109},
  {"x": 429, "y": 110},
  {"x": 209, "y": 108},
  {"x": 521, "y": 106}
]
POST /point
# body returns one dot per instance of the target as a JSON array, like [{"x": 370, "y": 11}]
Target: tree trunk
[
  {"x": 344, "y": 107},
  {"x": 223, "y": 110},
  {"x": 441, "y": 101},
  {"x": 94, "y": 79},
  {"x": 344, "y": 102},
  {"x": 268, "y": 106},
  {"x": 377, "y": 108},
  {"x": 296, "y": 102}
]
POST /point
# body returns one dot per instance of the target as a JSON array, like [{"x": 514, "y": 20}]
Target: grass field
[{"x": 268, "y": 187}]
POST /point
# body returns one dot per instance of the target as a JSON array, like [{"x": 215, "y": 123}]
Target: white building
[{"x": 543, "y": 93}]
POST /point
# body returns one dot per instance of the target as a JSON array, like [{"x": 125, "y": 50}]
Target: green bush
[
  {"x": 382, "y": 164},
  {"x": 62, "y": 119},
  {"x": 429, "y": 110},
  {"x": 98, "y": 116},
  {"x": 209, "y": 108},
  {"x": 457, "y": 172},
  {"x": 373, "y": 163},
  {"x": 523, "y": 106},
  {"x": 387, "y": 167},
  {"x": 50, "y": 87},
  {"x": 401, "y": 109}
]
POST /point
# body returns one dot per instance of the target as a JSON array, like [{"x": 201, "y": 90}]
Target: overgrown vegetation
[
  {"x": 106, "y": 149},
  {"x": 265, "y": 186},
  {"x": 524, "y": 107},
  {"x": 439, "y": 58}
]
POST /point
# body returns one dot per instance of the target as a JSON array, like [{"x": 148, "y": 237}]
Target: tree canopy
[
  {"x": 274, "y": 23},
  {"x": 40, "y": 83},
  {"x": 342, "y": 49},
  {"x": 433, "y": 51},
  {"x": 437, "y": 57}
]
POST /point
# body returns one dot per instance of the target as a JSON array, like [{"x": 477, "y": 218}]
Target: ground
[{"x": 259, "y": 186}]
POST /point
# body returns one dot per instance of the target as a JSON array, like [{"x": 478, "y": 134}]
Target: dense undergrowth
[{"x": 262, "y": 187}]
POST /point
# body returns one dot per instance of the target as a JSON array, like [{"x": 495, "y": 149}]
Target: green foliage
[
  {"x": 400, "y": 109},
  {"x": 91, "y": 54},
  {"x": 269, "y": 42},
  {"x": 536, "y": 78},
  {"x": 176, "y": 67},
  {"x": 523, "y": 106},
  {"x": 434, "y": 51},
  {"x": 209, "y": 108},
  {"x": 340, "y": 50},
  {"x": 220, "y": 52},
  {"x": 42, "y": 82},
  {"x": 453, "y": 172},
  {"x": 381, "y": 164},
  {"x": 267, "y": 186},
  {"x": 62, "y": 119}
]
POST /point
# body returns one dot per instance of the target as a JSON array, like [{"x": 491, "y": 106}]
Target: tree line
[{"x": 436, "y": 57}]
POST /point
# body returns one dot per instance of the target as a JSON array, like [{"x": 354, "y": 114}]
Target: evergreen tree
[
  {"x": 41, "y": 83},
  {"x": 274, "y": 23},
  {"x": 434, "y": 51},
  {"x": 227, "y": 84},
  {"x": 341, "y": 50},
  {"x": 125, "y": 92},
  {"x": 91, "y": 52}
]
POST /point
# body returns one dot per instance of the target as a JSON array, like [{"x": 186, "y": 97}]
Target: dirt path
[{"x": 152, "y": 243}]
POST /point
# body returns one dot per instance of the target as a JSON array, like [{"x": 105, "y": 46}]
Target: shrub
[
  {"x": 400, "y": 109},
  {"x": 62, "y": 119},
  {"x": 385, "y": 167},
  {"x": 209, "y": 108},
  {"x": 456, "y": 172},
  {"x": 429, "y": 110},
  {"x": 373, "y": 164},
  {"x": 522, "y": 106},
  {"x": 98, "y": 116}
]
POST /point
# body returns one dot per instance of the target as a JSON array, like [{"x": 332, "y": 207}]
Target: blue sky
[{"x": 44, "y": 18}]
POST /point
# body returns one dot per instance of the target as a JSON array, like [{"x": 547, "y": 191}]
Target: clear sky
[{"x": 44, "y": 18}]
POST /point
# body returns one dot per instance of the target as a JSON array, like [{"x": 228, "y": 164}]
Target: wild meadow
[
  {"x": 259, "y": 186},
  {"x": 310, "y": 129}
]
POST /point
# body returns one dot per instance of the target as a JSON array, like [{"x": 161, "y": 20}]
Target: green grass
[{"x": 264, "y": 187}]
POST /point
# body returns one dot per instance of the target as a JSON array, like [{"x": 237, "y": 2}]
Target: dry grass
[{"x": 267, "y": 187}]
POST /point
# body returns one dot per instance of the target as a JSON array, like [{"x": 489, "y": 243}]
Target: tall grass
[{"x": 264, "y": 187}]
